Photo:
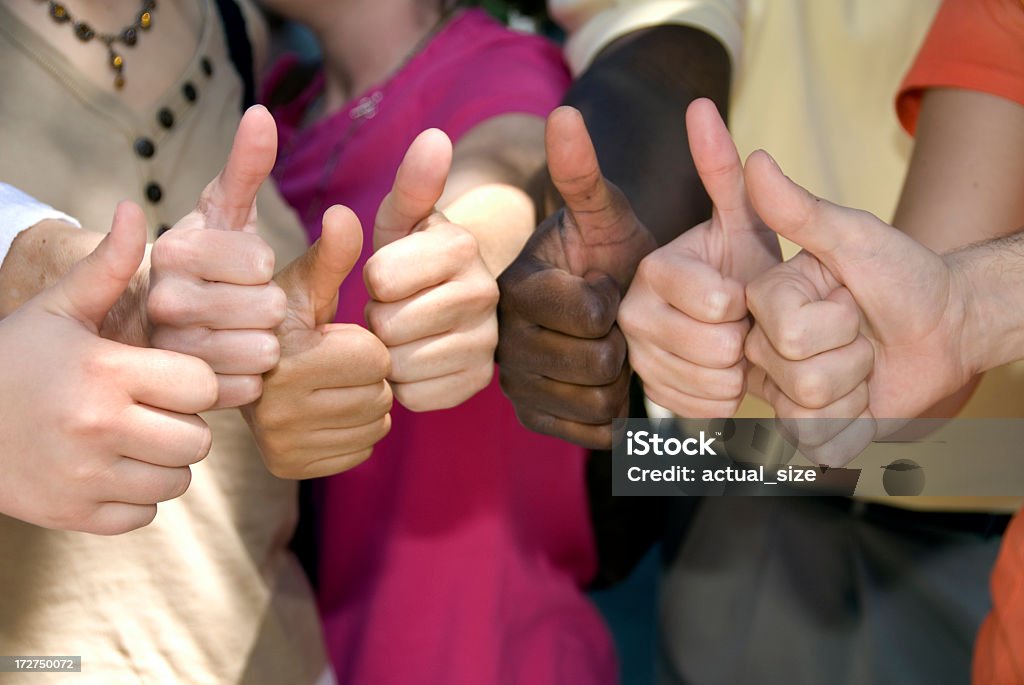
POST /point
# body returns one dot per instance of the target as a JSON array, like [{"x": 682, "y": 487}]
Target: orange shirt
[
  {"x": 979, "y": 45},
  {"x": 973, "y": 44}
]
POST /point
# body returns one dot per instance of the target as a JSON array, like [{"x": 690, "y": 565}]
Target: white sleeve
[
  {"x": 18, "y": 212},
  {"x": 593, "y": 24}
]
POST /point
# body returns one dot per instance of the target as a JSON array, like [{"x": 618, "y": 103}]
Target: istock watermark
[{"x": 926, "y": 457}]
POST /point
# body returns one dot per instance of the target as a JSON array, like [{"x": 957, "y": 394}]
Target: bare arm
[
  {"x": 486, "y": 193},
  {"x": 964, "y": 180}
]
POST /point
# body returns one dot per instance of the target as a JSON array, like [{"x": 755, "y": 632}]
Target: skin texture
[
  {"x": 210, "y": 288},
  {"x": 945, "y": 206},
  {"x": 95, "y": 432},
  {"x": 562, "y": 356},
  {"x": 865, "y": 323},
  {"x": 203, "y": 289},
  {"x": 326, "y": 403},
  {"x": 433, "y": 298},
  {"x": 685, "y": 315}
]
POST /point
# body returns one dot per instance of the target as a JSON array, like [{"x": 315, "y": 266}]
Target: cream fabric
[{"x": 208, "y": 593}]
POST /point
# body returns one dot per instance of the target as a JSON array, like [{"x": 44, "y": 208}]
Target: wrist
[{"x": 986, "y": 332}]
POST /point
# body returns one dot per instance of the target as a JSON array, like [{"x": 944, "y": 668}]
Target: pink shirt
[{"x": 456, "y": 554}]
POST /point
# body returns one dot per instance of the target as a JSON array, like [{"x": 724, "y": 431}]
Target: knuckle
[
  {"x": 732, "y": 383},
  {"x": 630, "y": 317},
  {"x": 811, "y": 389},
  {"x": 277, "y": 304},
  {"x": 607, "y": 361},
  {"x": 753, "y": 347},
  {"x": 377, "y": 276},
  {"x": 205, "y": 440},
  {"x": 172, "y": 251},
  {"x": 608, "y": 403},
  {"x": 595, "y": 318},
  {"x": 412, "y": 399},
  {"x": 250, "y": 389},
  {"x": 371, "y": 350},
  {"x": 535, "y": 421},
  {"x": 274, "y": 457},
  {"x": 179, "y": 483},
  {"x": 481, "y": 377},
  {"x": 206, "y": 387},
  {"x": 165, "y": 304},
  {"x": 261, "y": 259},
  {"x": 87, "y": 471},
  {"x": 267, "y": 352},
  {"x": 486, "y": 293},
  {"x": 715, "y": 303},
  {"x": 384, "y": 400},
  {"x": 86, "y": 423},
  {"x": 791, "y": 341},
  {"x": 755, "y": 293},
  {"x": 729, "y": 345},
  {"x": 379, "y": 322},
  {"x": 462, "y": 245}
]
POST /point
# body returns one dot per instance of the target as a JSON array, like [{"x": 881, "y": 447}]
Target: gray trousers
[{"x": 801, "y": 590}]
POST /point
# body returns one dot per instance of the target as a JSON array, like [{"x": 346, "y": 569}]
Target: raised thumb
[
  {"x": 837, "y": 236},
  {"x": 419, "y": 184},
  {"x": 93, "y": 285},
  {"x": 228, "y": 202},
  {"x": 574, "y": 169},
  {"x": 329, "y": 261},
  {"x": 718, "y": 165}
]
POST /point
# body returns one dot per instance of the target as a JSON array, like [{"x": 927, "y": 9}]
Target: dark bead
[
  {"x": 144, "y": 148},
  {"x": 207, "y": 66},
  {"x": 165, "y": 117},
  {"x": 154, "y": 193},
  {"x": 119, "y": 81},
  {"x": 84, "y": 32},
  {"x": 189, "y": 91},
  {"x": 59, "y": 13},
  {"x": 161, "y": 229},
  {"x": 129, "y": 37}
]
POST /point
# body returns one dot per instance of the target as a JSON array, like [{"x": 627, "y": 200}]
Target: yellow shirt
[{"x": 208, "y": 593}]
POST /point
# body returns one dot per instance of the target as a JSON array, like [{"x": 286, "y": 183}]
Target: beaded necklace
[{"x": 127, "y": 36}]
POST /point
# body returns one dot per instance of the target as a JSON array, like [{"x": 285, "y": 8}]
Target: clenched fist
[
  {"x": 94, "y": 433},
  {"x": 433, "y": 300},
  {"x": 326, "y": 404}
]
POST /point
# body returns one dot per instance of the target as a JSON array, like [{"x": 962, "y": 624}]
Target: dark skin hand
[{"x": 562, "y": 357}]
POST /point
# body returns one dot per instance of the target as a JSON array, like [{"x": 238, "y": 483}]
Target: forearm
[
  {"x": 992, "y": 274},
  {"x": 633, "y": 99},
  {"x": 500, "y": 216},
  {"x": 486, "y": 193}
]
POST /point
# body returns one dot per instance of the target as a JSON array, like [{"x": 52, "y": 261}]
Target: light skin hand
[
  {"x": 211, "y": 293},
  {"x": 95, "y": 432},
  {"x": 685, "y": 315},
  {"x": 433, "y": 299},
  {"x": 327, "y": 402},
  {"x": 864, "y": 323},
  {"x": 562, "y": 357}
]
